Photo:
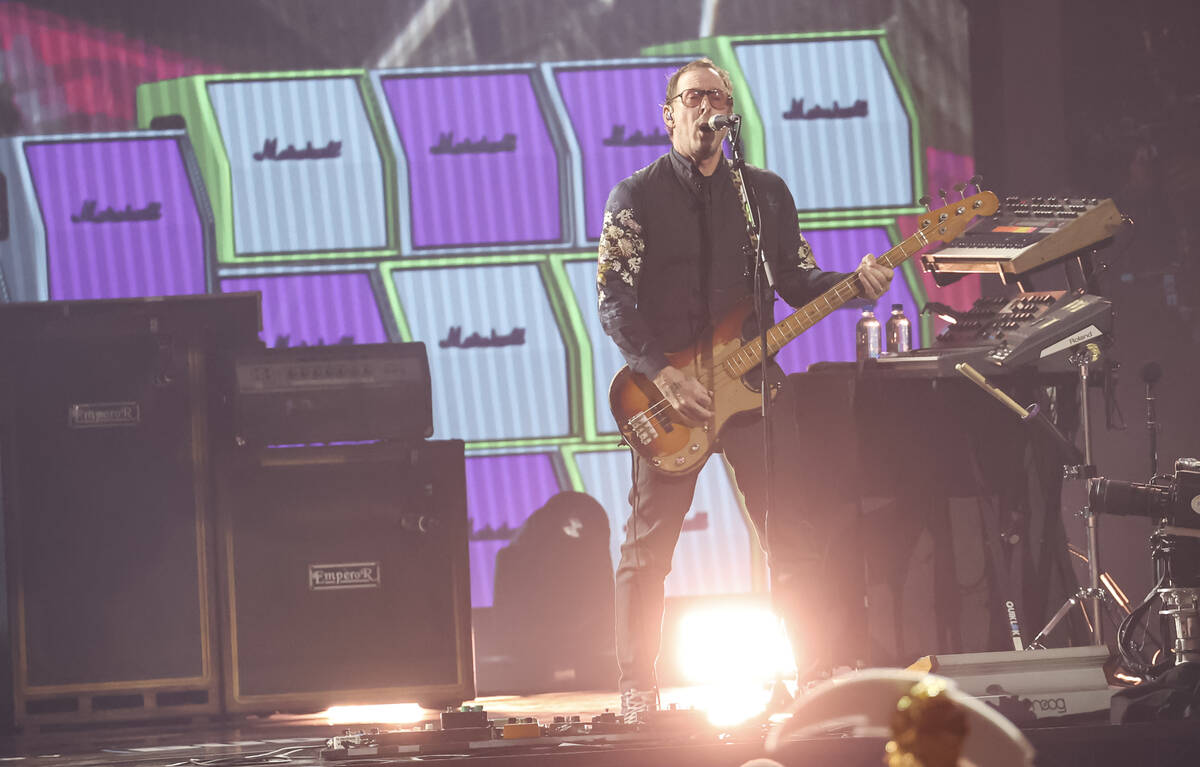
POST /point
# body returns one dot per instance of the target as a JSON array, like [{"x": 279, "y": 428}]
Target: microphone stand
[
  {"x": 1152, "y": 427},
  {"x": 762, "y": 306},
  {"x": 1151, "y": 372},
  {"x": 762, "y": 268}
]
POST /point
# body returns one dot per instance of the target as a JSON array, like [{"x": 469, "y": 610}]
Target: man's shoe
[{"x": 635, "y": 704}]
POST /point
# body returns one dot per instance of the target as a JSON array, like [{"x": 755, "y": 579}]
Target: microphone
[
  {"x": 720, "y": 122},
  {"x": 1151, "y": 372}
]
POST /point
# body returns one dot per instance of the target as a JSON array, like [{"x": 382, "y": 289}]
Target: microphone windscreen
[{"x": 1151, "y": 372}]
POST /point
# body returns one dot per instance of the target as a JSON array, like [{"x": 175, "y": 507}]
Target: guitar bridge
[{"x": 642, "y": 428}]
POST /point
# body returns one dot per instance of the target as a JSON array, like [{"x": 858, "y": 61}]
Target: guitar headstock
[{"x": 949, "y": 221}]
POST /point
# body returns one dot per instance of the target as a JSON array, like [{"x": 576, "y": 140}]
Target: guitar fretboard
[{"x": 749, "y": 355}]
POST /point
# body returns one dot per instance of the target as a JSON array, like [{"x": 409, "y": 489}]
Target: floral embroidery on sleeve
[
  {"x": 805, "y": 254},
  {"x": 621, "y": 247}
]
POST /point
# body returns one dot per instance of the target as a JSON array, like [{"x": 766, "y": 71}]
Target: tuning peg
[
  {"x": 926, "y": 200},
  {"x": 975, "y": 181},
  {"x": 961, "y": 189},
  {"x": 945, "y": 197}
]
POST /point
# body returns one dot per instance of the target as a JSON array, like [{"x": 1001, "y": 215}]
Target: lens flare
[
  {"x": 731, "y": 703},
  {"x": 735, "y": 643}
]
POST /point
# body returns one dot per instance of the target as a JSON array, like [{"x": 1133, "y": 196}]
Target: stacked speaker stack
[{"x": 165, "y": 558}]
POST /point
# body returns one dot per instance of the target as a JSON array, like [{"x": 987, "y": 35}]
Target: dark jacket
[{"x": 675, "y": 255}]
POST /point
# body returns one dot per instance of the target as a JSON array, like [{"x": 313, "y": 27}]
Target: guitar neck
[{"x": 749, "y": 355}]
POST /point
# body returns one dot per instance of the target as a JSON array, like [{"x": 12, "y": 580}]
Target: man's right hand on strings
[{"x": 685, "y": 394}]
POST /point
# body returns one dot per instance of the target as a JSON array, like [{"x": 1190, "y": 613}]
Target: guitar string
[
  {"x": 853, "y": 282},
  {"x": 657, "y": 408}
]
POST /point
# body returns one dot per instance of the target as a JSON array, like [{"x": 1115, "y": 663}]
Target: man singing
[{"x": 674, "y": 258}]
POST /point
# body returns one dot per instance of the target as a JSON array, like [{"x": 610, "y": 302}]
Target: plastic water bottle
[
  {"x": 898, "y": 331},
  {"x": 866, "y": 334}
]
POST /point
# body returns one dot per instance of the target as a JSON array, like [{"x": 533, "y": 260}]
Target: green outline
[
  {"x": 566, "y": 317},
  {"x": 502, "y": 444},
  {"x": 754, "y": 134},
  {"x": 585, "y": 363},
  {"x": 188, "y": 98},
  {"x": 832, "y": 215},
  {"x": 474, "y": 259},
  {"x": 569, "y": 452},
  {"x": 561, "y": 304},
  {"x": 388, "y": 267},
  {"x": 861, "y": 223},
  {"x": 902, "y": 89},
  {"x": 393, "y": 299},
  {"x": 784, "y": 36},
  {"x": 387, "y": 159},
  {"x": 306, "y": 258}
]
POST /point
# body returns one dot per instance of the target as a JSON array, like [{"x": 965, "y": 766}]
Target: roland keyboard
[
  {"x": 1033, "y": 331},
  {"x": 1027, "y": 233}
]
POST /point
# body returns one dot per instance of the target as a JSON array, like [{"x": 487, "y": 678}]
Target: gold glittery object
[{"x": 928, "y": 729}]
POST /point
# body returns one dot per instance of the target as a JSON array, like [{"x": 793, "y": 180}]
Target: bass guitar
[{"x": 724, "y": 361}]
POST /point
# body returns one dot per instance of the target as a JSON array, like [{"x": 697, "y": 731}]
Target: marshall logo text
[{"x": 353, "y": 575}]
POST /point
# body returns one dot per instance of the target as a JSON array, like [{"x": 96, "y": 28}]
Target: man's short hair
[{"x": 704, "y": 63}]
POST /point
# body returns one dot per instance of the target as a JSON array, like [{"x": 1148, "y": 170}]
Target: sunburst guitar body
[{"x": 727, "y": 364}]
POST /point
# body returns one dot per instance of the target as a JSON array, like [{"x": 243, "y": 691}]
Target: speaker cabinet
[
  {"x": 105, "y": 485},
  {"x": 344, "y": 572}
]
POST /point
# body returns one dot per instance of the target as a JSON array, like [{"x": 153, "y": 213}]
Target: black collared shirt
[{"x": 675, "y": 255}]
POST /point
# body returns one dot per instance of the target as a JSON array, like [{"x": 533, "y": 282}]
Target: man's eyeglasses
[{"x": 717, "y": 98}]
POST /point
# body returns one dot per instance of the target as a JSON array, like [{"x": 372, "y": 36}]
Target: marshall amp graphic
[
  {"x": 456, "y": 165},
  {"x": 293, "y": 160},
  {"x": 106, "y": 215}
]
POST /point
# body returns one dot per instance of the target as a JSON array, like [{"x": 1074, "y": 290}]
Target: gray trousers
[{"x": 796, "y": 541}]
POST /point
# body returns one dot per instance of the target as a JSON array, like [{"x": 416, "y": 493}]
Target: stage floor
[{"x": 300, "y": 739}]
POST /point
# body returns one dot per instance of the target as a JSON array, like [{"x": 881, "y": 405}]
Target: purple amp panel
[
  {"x": 480, "y": 158},
  {"x": 832, "y": 339},
  {"x": 315, "y": 309},
  {"x": 114, "y": 215},
  {"x": 502, "y": 492},
  {"x": 615, "y": 123}
]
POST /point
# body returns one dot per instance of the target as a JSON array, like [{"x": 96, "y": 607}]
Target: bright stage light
[
  {"x": 730, "y": 703},
  {"x": 735, "y": 643},
  {"x": 393, "y": 713}
]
